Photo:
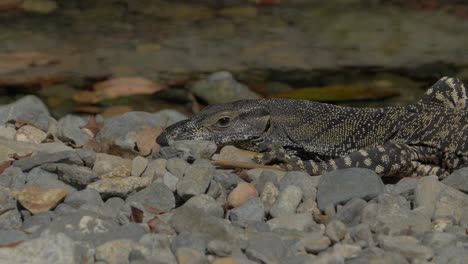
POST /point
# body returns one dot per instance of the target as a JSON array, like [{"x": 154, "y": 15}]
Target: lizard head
[{"x": 225, "y": 124}]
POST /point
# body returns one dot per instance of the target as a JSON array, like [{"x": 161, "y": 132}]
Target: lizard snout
[{"x": 162, "y": 139}]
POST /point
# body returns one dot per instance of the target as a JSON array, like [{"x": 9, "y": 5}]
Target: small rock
[
  {"x": 347, "y": 251},
  {"x": 11, "y": 236},
  {"x": 118, "y": 251},
  {"x": 241, "y": 194},
  {"x": 7, "y": 131},
  {"x": 138, "y": 166},
  {"x": 309, "y": 206},
  {"x": 177, "y": 166},
  {"x": 36, "y": 223},
  {"x": 458, "y": 180},
  {"x": 340, "y": 186},
  {"x": 266, "y": 248},
  {"x": 156, "y": 195},
  {"x": 227, "y": 180},
  {"x": 301, "y": 180},
  {"x": 234, "y": 154},
  {"x": 336, "y": 230},
  {"x": 191, "y": 240},
  {"x": 186, "y": 255},
  {"x": 39, "y": 199},
  {"x": 13, "y": 178},
  {"x": 29, "y": 109},
  {"x": 159, "y": 246},
  {"x": 77, "y": 176},
  {"x": 195, "y": 149},
  {"x": 301, "y": 222},
  {"x": 219, "y": 248},
  {"x": 87, "y": 156},
  {"x": 207, "y": 204},
  {"x": 196, "y": 181},
  {"x": 170, "y": 181},
  {"x": 86, "y": 196},
  {"x": 250, "y": 211},
  {"x": 11, "y": 217},
  {"x": 362, "y": 233},
  {"x": 155, "y": 169},
  {"x": 254, "y": 174},
  {"x": 30, "y": 134},
  {"x": 40, "y": 177},
  {"x": 68, "y": 157},
  {"x": 119, "y": 187},
  {"x": 269, "y": 195},
  {"x": 406, "y": 186},
  {"x": 69, "y": 130},
  {"x": 265, "y": 177},
  {"x": 287, "y": 201},
  {"x": 313, "y": 243},
  {"x": 350, "y": 213},
  {"x": 106, "y": 164},
  {"x": 408, "y": 246}
]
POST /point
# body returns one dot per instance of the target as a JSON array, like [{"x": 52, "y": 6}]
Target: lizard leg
[{"x": 386, "y": 160}]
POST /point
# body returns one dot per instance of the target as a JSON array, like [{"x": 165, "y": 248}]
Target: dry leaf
[
  {"x": 12, "y": 245},
  {"x": 9, "y": 4},
  {"x": 89, "y": 109},
  {"x": 93, "y": 125},
  {"x": 146, "y": 139},
  {"x": 116, "y": 110},
  {"x": 137, "y": 215},
  {"x": 118, "y": 87}
]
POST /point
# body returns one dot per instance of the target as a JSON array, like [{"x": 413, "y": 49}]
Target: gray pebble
[
  {"x": 219, "y": 248},
  {"x": 266, "y": 247},
  {"x": 195, "y": 149},
  {"x": 68, "y": 130},
  {"x": 335, "y": 230},
  {"x": 77, "y": 176},
  {"x": 177, "y": 166},
  {"x": 228, "y": 180},
  {"x": 206, "y": 204},
  {"x": 301, "y": 180},
  {"x": 29, "y": 109},
  {"x": 67, "y": 156},
  {"x": 156, "y": 195},
  {"x": 12, "y": 236},
  {"x": 287, "y": 201},
  {"x": 191, "y": 240},
  {"x": 301, "y": 222},
  {"x": 362, "y": 234},
  {"x": 458, "y": 180},
  {"x": 139, "y": 165},
  {"x": 40, "y": 177},
  {"x": 170, "y": 181},
  {"x": 86, "y": 196},
  {"x": 251, "y": 211},
  {"x": 196, "y": 181},
  {"x": 350, "y": 213},
  {"x": 408, "y": 246}
]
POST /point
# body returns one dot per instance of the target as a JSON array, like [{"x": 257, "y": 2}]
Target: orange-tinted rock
[
  {"x": 243, "y": 192},
  {"x": 226, "y": 260},
  {"x": 38, "y": 199}
]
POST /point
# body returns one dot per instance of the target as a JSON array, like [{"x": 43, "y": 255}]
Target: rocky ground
[{"x": 63, "y": 200}]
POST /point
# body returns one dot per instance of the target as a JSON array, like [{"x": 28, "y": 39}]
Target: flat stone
[
  {"x": 243, "y": 192},
  {"x": 120, "y": 187},
  {"x": 235, "y": 154},
  {"x": 301, "y": 180},
  {"x": 12, "y": 236},
  {"x": 408, "y": 246},
  {"x": 40, "y": 177},
  {"x": 406, "y": 187},
  {"x": 160, "y": 248},
  {"x": 30, "y": 134},
  {"x": 250, "y": 211},
  {"x": 156, "y": 195},
  {"x": 29, "y": 109},
  {"x": 139, "y": 165},
  {"x": 118, "y": 251},
  {"x": 186, "y": 255},
  {"x": 39, "y": 199},
  {"x": 87, "y": 156},
  {"x": 191, "y": 240},
  {"x": 11, "y": 217},
  {"x": 106, "y": 164},
  {"x": 177, "y": 166},
  {"x": 206, "y": 204},
  {"x": 34, "y": 224},
  {"x": 77, "y": 176},
  {"x": 313, "y": 243},
  {"x": 219, "y": 248},
  {"x": 7, "y": 131},
  {"x": 340, "y": 186},
  {"x": 68, "y": 157},
  {"x": 335, "y": 230},
  {"x": 362, "y": 233},
  {"x": 458, "y": 180},
  {"x": 347, "y": 251},
  {"x": 254, "y": 174},
  {"x": 170, "y": 181},
  {"x": 287, "y": 201},
  {"x": 266, "y": 248},
  {"x": 155, "y": 169},
  {"x": 196, "y": 181},
  {"x": 49, "y": 248},
  {"x": 350, "y": 213},
  {"x": 68, "y": 130},
  {"x": 13, "y": 178},
  {"x": 264, "y": 178},
  {"x": 301, "y": 222},
  {"x": 86, "y": 196},
  {"x": 195, "y": 149}
]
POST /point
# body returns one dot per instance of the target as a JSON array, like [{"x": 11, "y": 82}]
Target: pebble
[
  {"x": 301, "y": 180},
  {"x": 38, "y": 199},
  {"x": 138, "y": 166},
  {"x": 206, "y": 204},
  {"x": 192, "y": 240},
  {"x": 119, "y": 251},
  {"x": 77, "y": 176},
  {"x": 40, "y": 177},
  {"x": 266, "y": 248},
  {"x": 177, "y": 166},
  {"x": 195, "y": 181},
  {"x": 30, "y": 134},
  {"x": 287, "y": 201},
  {"x": 170, "y": 181},
  {"x": 87, "y": 156},
  {"x": 186, "y": 255},
  {"x": 269, "y": 195},
  {"x": 157, "y": 196},
  {"x": 408, "y": 246},
  {"x": 350, "y": 213},
  {"x": 29, "y": 109},
  {"x": 86, "y": 196},
  {"x": 301, "y": 222},
  {"x": 227, "y": 180},
  {"x": 340, "y": 186},
  {"x": 251, "y": 211},
  {"x": 219, "y": 248},
  {"x": 155, "y": 169},
  {"x": 119, "y": 187},
  {"x": 232, "y": 153},
  {"x": 313, "y": 243},
  {"x": 67, "y": 157},
  {"x": 195, "y": 149},
  {"x": 336, "y": 230},
  {"x": 68, "y": 130},
  {"x": 12, "y": 236},
  {"x": 241, "y": 194},
  {"x": 458, "y": 180}
]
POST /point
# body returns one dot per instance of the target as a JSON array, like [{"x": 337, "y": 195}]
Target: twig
[{"x": 243, "y": 165}]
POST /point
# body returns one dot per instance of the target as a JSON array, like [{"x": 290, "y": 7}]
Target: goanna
[{"x": 428, "y": 137}]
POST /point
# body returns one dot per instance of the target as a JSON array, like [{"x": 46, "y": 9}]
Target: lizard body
[{"x": 428, "y": 137}]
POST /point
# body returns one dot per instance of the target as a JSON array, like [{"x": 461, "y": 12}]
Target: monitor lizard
[{"x": 428, "y": 137}]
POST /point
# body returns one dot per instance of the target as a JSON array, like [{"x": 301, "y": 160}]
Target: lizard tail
[{"x": 447, "y": 92}]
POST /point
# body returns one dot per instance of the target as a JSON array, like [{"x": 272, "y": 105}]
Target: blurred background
[{"x": 113, "y": 56}]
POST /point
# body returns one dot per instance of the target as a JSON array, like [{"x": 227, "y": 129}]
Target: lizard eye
[{"x": 223, "y": 122}]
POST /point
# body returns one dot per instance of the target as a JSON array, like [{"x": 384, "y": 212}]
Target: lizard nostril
[{"x": 162, "y": 139}]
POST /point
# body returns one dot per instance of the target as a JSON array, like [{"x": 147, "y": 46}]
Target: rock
[
  {"x": 159, "y": 246},
  {"x": 254, "y": 174},
  {"x": 36, "y": 223},
  {"x": 394, "y": 219},
  {"x": 138, "y": 166},
  {"x": 119, "y": 187},
  {"x": 11, "y": 217},
  {"x": 193, "y": 220},
  {"x": 206, "y": 204},
  {"x": 340, "y": 186},
  {"x": 264, "y": 178},
  {"x": 118, "y": 251},
  {"x": 196, "y": 181},
  {"x": 235, "y": 154},
  {"x": 458, "y": 180},
  {"x": 377, "y": 255},
  {"x": 226, "y": 179},
  {"x": 13, "y": 178},
  {"x": 39, "y": 199},
  {"x": 362, "y": 233},
  {"x": 29, "y": 109},
  {"x": 336, "y": 230},
  {"x": 40, "y": 177},
  {"x": 155, "y": 169},
  {"x": 313, "y": 243},
  {"x": 30, "y": 134},
  {"x": 347, "y": 251},
  {"x": 7, "y": 131},
  {"x": 177, "y": 166},
  {"x": 68, "y": 130},
  {"x": 250, "y": 211},
  {"x": 87, "y": 156},
  {"x": 309, "y": 206},
  {"x": 266, "y": 248},
  {"x": 195, "y": 149},
  {"x": 186, "y": 255},
  {"x": 109, "y": 166},
  {"x": 408, "y": 246},
  {"x": 48, "y": 248},
  {"x": 86, "y": 196},
  {"x": 156, "y": 195},
  {"x": 170, "y": 181},
  {"x": 406, "y": 186},
  {"x": 11, "y": 236},
  {"x": 68, "y": 157},
  {"x": 191, "y": 240},
  {"x": 350, "y": 213},
  {"x": 221, "y": 87},
  {"x": 269, "y": 195},
  {"x": 77, "y": 176},
  {"x": 226, "y": 260},
  {"x": 168, "y": 117},
  {"x": 301, "y": 222},
  {"x": 287, "y": 201},
  {"x": 219, "y": 248},
  {"x": 301, "y": 180},
  {"x": 243, "y": 192}
]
